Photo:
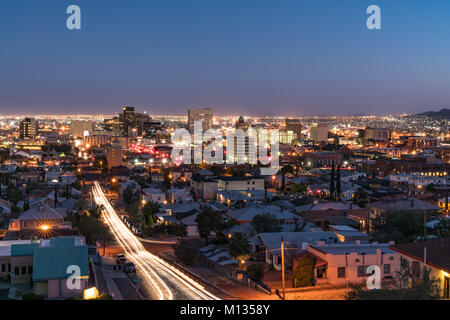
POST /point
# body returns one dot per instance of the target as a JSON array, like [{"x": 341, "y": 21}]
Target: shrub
[
  {"x": 255, "y": 272},
  {"x": 186, "y": 253},
  {"x": 32, "y": 296}
]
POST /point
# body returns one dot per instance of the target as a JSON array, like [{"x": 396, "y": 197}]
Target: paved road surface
[{"x": 161, "y": 280}]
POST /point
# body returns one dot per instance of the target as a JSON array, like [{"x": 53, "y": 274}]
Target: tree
[
  {"x": 442, "y": 229},
  {"x": 139, "y": 220},
  {"x": 94, "y": 229},
  {"x": 209, "y": 221},
  {"x": 132, "y": 208},
  {"x": 101, "y": 162},
  {"x": 361, "y": 197},
  {"x": 26, "y": 205},
  {"x": 186, "y": 253},
  {"x": 303, "y": 273},
  {"x": 255, "y": 272},
  {"x": 239, "y": 247},
  {"x": 96, "y": 211},
  {"x": 217, "y": 170},
  {"x": 410, "y": 284},
  {"x": 80, "y": 205},
  {"x": 167, "y": 182},
  {"x": 4, "y": 155},
  {"x": 14, "y": 194},
  {"x": 398, "y": 226},
  {"x": 151, "y": 208},
  {"x": 128, "y": 195},
  {"x": 332, "y": 182},
  {"x": 298, "y": 188},
  {"x": 430, "y": 187},
  {"x": 266, "y": 222},
  {"x": 338, "y": 182},
  {"x": 284, "y": 170},
  {"x": 31, "y": 186},
  {"x": 237, "y": 172}
]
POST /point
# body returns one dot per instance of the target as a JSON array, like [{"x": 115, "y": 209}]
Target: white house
[{"x": 153, "y": 195}]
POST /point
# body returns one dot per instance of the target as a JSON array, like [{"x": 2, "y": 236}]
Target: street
[{"x": 161, "y": 280}]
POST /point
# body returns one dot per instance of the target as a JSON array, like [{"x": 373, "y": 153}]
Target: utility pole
[
  {"x": 424, "y": 224},
  {"x": 282, "y": 268}
]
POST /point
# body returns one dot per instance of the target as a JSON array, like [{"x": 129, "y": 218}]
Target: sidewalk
[
  {"x": 118, "y": 283},
  {"x": 109, "y": 274}
]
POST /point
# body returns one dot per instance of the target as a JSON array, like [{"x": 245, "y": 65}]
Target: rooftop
[
  {"x": 438, "y": 251},
  {"x": 42, "y": 212},
  {"x": 338, "y": 249}
]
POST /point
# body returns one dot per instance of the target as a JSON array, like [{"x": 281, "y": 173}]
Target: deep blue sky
[{"x": 261, "y": 57}]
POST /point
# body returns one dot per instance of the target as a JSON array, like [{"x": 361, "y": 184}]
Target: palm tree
[
  {"x": 332, "y": 182},
  {"x": 338, "y": 182},
  {"x": 284, "y": 170}
]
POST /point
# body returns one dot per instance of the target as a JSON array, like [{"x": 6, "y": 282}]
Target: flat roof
[{"x": 5, "y": 246}]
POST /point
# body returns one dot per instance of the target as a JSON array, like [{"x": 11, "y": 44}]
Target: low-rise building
[
  {"x": 153, "y": 195},
  {"x": 267, "y": 246},
  {"x": 432, "y": 254},
  {"x": 349, "y": 262}
]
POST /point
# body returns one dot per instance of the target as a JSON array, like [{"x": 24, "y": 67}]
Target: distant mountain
[{"x": 443, "y": 114}]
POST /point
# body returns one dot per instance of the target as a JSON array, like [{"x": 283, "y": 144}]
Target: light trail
[{"x": 163, "y": 277}]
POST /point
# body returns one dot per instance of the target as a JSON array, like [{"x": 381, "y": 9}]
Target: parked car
[
  {"x": 129, "y": 267},
  {"x": 120, "y": 259}
]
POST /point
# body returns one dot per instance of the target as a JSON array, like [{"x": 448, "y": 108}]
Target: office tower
[
  {"x": 319, "y": 132},
  {"x": 128, "y": 119},
  {"x": 371, "y": 136},
  {"x": 114, "y": 155},
  {"x": 243, "y": 151},
  {"x": 203, "y": 115},
  {"x": 78, "y": 127},
  {"x": 295, "y": 126},
  {"x": 28, "y": 128},
  {"x": 242, "y": 124}
]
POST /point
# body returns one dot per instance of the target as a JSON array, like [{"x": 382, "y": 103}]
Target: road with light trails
[{"x": 161, "y": 279}]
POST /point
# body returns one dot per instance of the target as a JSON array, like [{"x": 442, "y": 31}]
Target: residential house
[
  {"x": 49, "y": 264},
  {"x": 348, "y": 262},
  {"x": 432, "y": 254},
  {"x": 153, "y": 195},
  {"x": 379, "y": 210},
  {"x": 267, "y": 246}
]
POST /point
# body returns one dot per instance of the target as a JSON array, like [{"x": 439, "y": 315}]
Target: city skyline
[{"x": 297, "y": 58}]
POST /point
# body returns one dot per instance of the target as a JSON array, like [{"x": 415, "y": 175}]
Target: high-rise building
[
  {"x": 28, "y": 128},
  {"x": 204, "y": 115},
  {"x": 242, "y": 151},
  {"x": 128, "y": 119},
  {"x": 114, "y": 155},
  {"x": 319, "y": 132},
  {"x": 371, "y": 136},
  {"x": 78, "y": 127},
  {"x": 294, "y": 125}
]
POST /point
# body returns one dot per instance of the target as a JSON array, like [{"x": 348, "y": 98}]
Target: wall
[{"x": 336, "y": 261}]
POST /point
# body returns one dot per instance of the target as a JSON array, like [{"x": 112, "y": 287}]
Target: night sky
[{"x": 253, "y": 57}]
